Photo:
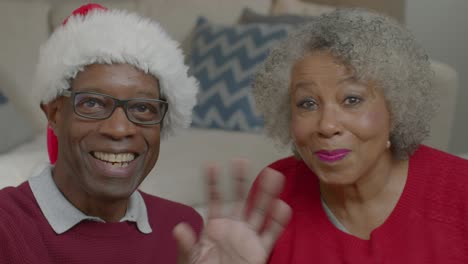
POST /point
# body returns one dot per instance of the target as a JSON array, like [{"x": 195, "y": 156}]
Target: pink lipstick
[{"x": 332, "y": 155}]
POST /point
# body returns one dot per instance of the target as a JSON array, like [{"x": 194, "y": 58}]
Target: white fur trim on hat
[{"x": 113, "y": 36}]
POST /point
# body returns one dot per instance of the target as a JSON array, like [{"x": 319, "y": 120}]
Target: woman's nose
[{"x": 329, "y": 124}]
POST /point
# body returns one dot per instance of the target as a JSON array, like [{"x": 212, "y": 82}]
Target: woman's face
[{"x": 340, "y": 126}]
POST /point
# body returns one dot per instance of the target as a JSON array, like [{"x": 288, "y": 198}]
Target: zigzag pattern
[{"x": 224, "y": 59}]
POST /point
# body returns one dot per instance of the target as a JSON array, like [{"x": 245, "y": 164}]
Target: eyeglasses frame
[{"x": 117, "y": 103}]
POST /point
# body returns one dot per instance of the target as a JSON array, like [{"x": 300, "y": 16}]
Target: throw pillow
[
  {"x": 299, "y": 8},
  {"x": 14, "y": 129},
  {"x": 249, "y": 16},
  {"x": 224, "y": 58}
]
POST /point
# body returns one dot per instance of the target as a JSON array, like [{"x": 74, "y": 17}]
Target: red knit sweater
[
  {"x": 428, "y": 225},
  {"x": 26, "y": 236}
]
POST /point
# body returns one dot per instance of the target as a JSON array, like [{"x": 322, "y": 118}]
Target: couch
[{"x": 177, "y": 175}]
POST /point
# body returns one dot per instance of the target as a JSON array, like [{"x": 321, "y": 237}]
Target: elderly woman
[{"x": 351, "y": 93}]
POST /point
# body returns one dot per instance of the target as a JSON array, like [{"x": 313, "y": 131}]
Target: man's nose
[{"x": 118, "y": 126}]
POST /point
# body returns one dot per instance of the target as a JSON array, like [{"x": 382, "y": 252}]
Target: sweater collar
[{"x": 62, "y": 215}]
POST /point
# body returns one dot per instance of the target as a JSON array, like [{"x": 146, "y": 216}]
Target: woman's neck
[{"x": 366, "y": 204}]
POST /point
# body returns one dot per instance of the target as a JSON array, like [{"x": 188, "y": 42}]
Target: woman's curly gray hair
[{"x": 376, "y": 48}]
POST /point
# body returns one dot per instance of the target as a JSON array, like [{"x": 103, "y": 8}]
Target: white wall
[{"x": 442, "y": 27}]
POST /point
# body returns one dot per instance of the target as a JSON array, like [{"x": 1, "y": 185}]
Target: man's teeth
[{"x": 118, "y": 160}]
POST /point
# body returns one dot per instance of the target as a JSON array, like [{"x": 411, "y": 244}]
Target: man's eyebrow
[{"x": 148, "y": 94}]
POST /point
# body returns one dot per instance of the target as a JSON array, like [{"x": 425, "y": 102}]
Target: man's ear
[{"x": 52, "y": 111}]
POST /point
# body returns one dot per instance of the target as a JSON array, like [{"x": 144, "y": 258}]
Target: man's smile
[
  {"x": 121, "y": 165},
  {"x": 114, "y": 159}
]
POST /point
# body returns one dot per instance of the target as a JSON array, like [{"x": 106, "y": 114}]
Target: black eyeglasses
[{"x": 98, "y": 106}]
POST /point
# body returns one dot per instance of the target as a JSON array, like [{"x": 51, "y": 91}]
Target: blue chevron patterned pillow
[{"x": 224, "y": 58}]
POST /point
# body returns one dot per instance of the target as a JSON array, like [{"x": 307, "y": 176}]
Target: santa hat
[{"x": 93, "y": 34}]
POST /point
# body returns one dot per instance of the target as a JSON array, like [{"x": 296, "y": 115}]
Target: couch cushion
[
  {"x": 446, "y": 83},
  {"x": 224, "y": 58},
  {"x": 249, "y": 16},
  {"x": 178, "y": 17},
  {"x": 299, "y": 8},
  {"x": 15, "y": 129},
  {"x": 178, "y": 174},
  {"x": 23, "y": 161}
]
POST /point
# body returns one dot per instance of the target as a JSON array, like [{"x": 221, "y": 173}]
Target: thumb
[{"x": 185, "y": 238}]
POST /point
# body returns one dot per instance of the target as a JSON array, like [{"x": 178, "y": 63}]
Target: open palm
[{"x": 245, "y": 235}]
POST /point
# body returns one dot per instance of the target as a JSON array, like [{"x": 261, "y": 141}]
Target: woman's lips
[{"x": 332, "y": 155}]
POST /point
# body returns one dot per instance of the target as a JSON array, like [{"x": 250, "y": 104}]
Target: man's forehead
[{"x": 102, "y": 77}]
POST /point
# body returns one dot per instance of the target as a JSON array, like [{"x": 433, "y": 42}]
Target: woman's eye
[
  {"x": 307, "y": 104},
  {"x": 352, "y": 100}
]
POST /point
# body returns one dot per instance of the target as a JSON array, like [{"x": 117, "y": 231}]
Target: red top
[
  {"x": 428, "y": 225},
  {"x": 26, "y": 236}
]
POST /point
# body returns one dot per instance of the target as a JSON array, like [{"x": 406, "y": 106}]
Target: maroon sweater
[
  {"x": 26, "y": 236},
  {"x": 428, "y": 225}
]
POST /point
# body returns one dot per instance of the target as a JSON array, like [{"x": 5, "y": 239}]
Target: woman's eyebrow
[{"x": 303, "y": 85}]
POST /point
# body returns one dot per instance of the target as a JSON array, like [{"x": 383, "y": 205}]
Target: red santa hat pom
[
  {"x": 83, "y": 10},
  {"x": 52, "y": 145}
]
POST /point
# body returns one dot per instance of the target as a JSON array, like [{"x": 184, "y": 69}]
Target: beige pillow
[
  {"x": 179, "y": 16},
  {"x": 297, "y": 7}
]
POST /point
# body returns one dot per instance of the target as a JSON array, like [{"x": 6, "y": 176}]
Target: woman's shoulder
[
  {"x": 297, "y": 175},
  {"x": 436, "y": 160},
  {"x": 440, "y": 180},
  {"x": 439, "y": 174}
]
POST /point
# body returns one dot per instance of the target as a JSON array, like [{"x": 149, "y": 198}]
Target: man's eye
[
  {"x": 143, "y": 108},
  {"x": 91, "y": 103}
]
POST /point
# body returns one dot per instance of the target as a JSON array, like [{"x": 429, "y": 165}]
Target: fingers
[
  {"x": 214, "y": 196},
  {"x": 239, "y": 170},
  {"x": 185, "y": 237},
  {"x": 270, "y": 186},
  {"x": 280, "y": 216},
  {"x": 215, "y": 203}
]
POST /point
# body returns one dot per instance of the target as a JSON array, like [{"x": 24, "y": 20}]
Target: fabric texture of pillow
[
  {"x": 14, "y": 129},
  {"x": 223, "y": 59},
  {"x": 298, "y": 7},
  {"x": 249, "y": 16}
]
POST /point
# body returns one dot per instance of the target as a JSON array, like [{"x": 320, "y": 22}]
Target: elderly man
[{"x": 112, "y": 84}]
